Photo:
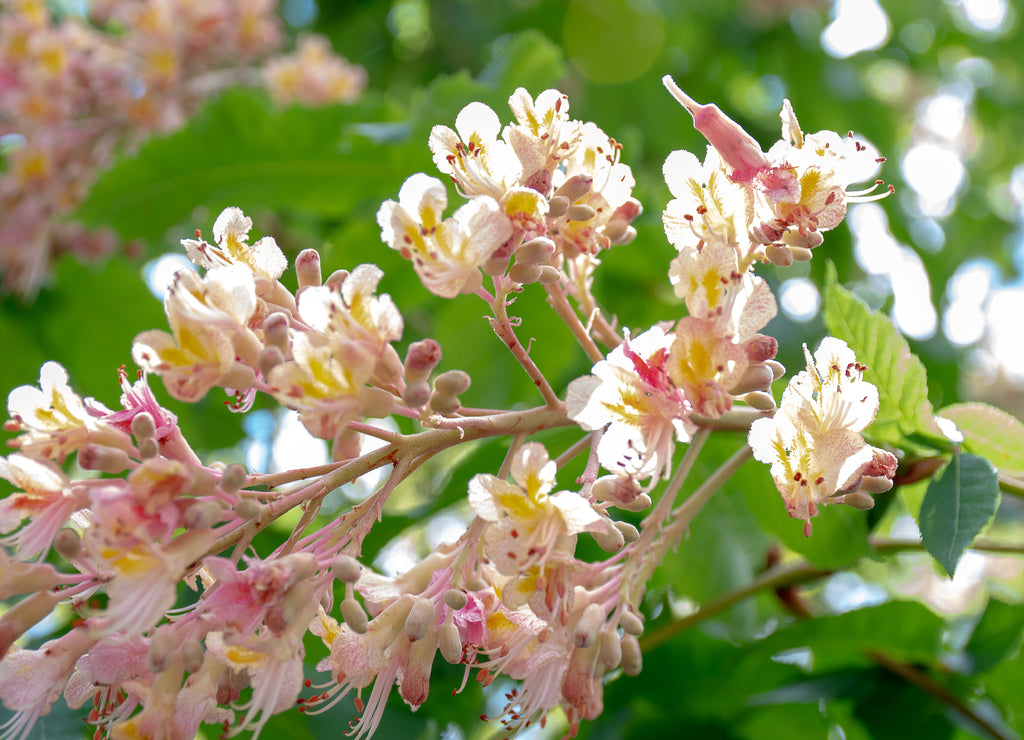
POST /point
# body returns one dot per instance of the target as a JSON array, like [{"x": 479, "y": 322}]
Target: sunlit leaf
[{"x": 991, "y": 433}]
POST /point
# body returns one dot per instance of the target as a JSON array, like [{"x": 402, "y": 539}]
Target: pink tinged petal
[
  {"x": 443, "y": 143},
  {"x": 790, "y": 126},
  {"x": 533, "y": 469},
  {"x": 578, "y": 403},
  {"x": 576, "y": 512},
  {"x": 482, "y": 498},
  {"x": 754, "y": 307},
  {"x": 424, "y": 198}
]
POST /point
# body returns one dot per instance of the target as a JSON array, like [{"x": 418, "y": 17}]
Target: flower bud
[
  {"x": 455, "y": 599},
  {"x": 67, "y": 544},
  {"x": 336, "y": 278},
  {"x": 233, "y": 478},
  {"x": 524, "y": 274},
  {"x": 588, "y": 626},
  {"x": 805, "y": 240},
  {"x": 420, "y": 360},
  {"x": 496, "y": 265},
  {"x": 416, "y": 393},
  {"x": 377, "y": 403},
  {"x": 421, "y": 616},
  {"x": 269, "y": 358},
  {"x": 450, "y": 643},
  {"x": 756, "y": 378},
  {"x": 779, "y": 254},
  {"x": 760, "y": 400},
  {"x": 307, "y": 268},
  {"x": 629, "y": 532},
  {"x": 801, "y": 254},
  {"x": 452, "y": 382},
  {"x": 249, "y": 508},
  {"x": 238, "y": 376},
  {"x": 346, "y": 568},
  {"x": 353, "y": 615},
  {"x": 162, "y": 646},
  {"x": 777, "y": 368},
  {"x": 388, "y": 370},
  {"x": 536, "y": 251},
  {"x": 875, "y": 484},
  {"x": 443, "y": 403},
  {"x": 302, "y": 566},
  {"x": 143, "y": 426},
  {"x": 557, "y": 206},
  {"x": 191, "y": 655},
  {"x": 275, "y": 330},
  {"x": 609, "y": 539},
  {"x": 610, "y": 650},
  {"x": 104, "y": 459},
  {"x": 632, "y": 658},
  {"x": 580, "y": 212},
  {"x": 631, "y": 623},
  {"x": 857, "y": 499},
  {"x": 620, "y": 491},
  {"x": 575, "y": 187},
  {"x": 148, "y": 448},
  {"x": 549, "y": 275},
  {"x": 202, "y": 514}
]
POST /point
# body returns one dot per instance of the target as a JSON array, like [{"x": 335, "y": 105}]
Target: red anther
[
  {"x": 199, "y": 234},
  {"x": 359, "y": 705},
  {"x": 880, "y": 159},
  {"x": 819, "y": 480}
]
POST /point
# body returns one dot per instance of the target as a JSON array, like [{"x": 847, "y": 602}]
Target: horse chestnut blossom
[
  {"x": 814, "y": 443},
  {"x": 513, "y": 596}
]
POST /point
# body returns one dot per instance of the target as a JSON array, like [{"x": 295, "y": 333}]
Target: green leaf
[
  {"x": 958, "y": 505},
  {"x": 996, "y": 636},
  {"x": 897, "y": 373},
  {"x": 991, "y": 433}
]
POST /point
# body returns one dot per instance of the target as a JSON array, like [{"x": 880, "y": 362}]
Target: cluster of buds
[
  {"x": 76, "y": 90},
  {"x": 510, "y": 597}
]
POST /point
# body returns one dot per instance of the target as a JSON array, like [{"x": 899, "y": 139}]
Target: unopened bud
[
  {"x": 421, "y": 616},
  {"x": 536, "y": 251},
  {"x": 588, "y": 626},
  {"x": 621, "y": 491},
  {"x": 456, "y": 599},
  {"x": 777, "y": 368},
  {"x": 275, "y": 330},
  {"x": 389, "y": 369},
  {"x": 580, "y": 212},
  {"x": 450, "y": 643},
  {"x": 249, "y": 508},
  {"x": 347, "y": 445},
  {"x": 336, "y": 278},
  {"x": 779, "y": 254},
  {"x": 760, "y": 400},
  {"x": 307, "y": 268},
  {"x": 269, "y": 357},
  {"x": 346, "y": 568},
  {"x": 68, "y": 544},
  {"x": 575, "y": 187},
  {"x": 284, "y": 612},
  {"x": 807, "y": 239},
  {"x": 162, "y": 646},
  {"x": 148, "y": 448},
  {"x": 801, "y": 254},
  {"x": 238, "y": 376},
  {"x": 549, "y": 275},
  {"x": 875, "y": 484},
  {"x": 524, "y": 274},
  {"x": 377, "y": 403},
  {"x": 858, "y": 500},
  {"x": 452, "y": 382},
  {"x": 756, "y": 378},
  {"x": 629, "y": 532},
  {"x": 202, "y": 514},
  {"x": 632, "y": 658},
  {"x": 301, "y": 566},
  {"x": 496, "y": 265},
  {"x": 232, "y": 478},
  {"x": 631, "y": 623},
  {"x": 104, "y": 459},
  {"x": 420, "y": 359},
  {"x": 354, "y": 615},
  {"x": 143, "y": 426},
  {"x": 557, "y": 206},
  {"x": 416, "y": 394},
  {"x": 444, "y": 403},
  {"x": 191, "y": 655},
  {"x": 610, "y": 650},
  {"x": 609, "y": 539}
]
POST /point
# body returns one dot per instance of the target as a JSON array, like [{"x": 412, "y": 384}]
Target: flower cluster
[
  {"x": 76, "y": 90},
  {"x": 510, "y": 597}
]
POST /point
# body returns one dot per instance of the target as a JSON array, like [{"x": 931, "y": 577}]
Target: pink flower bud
[
  {"x": 549, "y": 275},
  {"x": 632, "y": 658},
  {"x": 444, "y": 403},
  {"x": 346, "y": 568},
  {"x": 416, "y": 394},
  {"x": 629, "y": 532},
  {"x": 307, "y": 268},
  {"x": 354, "y": 615},
  {"x": 67, "y": 544},
  {"x": 388, "y": 370},
  {"x": 760, "y": 400},
  {"x": 610, "y": 650},
  {"x": 609, "y": 539},
  {"x": 149, "y": 448},
  {"x": 275, "y": 330},
  {"x": 202, "y": 514},
  {"x": 249, "y": 508},
  {"x": 524, "y": 273},
  {"x": 779, "y": 254},
  {"x": 377, "y": 403},
  {"x": 103, "y": 459},
  {"x": 452, "y": 382},
  {"x": 450, "y": 643},
  {"x": 421, "y": 616},
  {"x": 421, "y": 359},
  {"x": 191, "y": 655},
  {"x": 575, "y": 187},
  {"x": 580, "y": 212},
  {"x": 269, "y": 358},
  {"x": 455, "y": 599},
  {"x": 558, "y": 205},
  {"x": 535, "y": 251},
  {"x": 631, "y": 623}
]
